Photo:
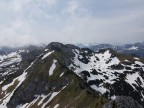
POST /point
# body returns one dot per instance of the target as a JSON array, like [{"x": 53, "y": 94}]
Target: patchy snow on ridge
[
  {"x": 41, "y": 100},
  {"x": 100, "y": 66},
  {"x": 47, "y": 54},
  {"x": 131, "y": 79},
  {"x": 6, "y": 99},
  {"x": 9, "y": 64},
  {"x": 51, "y": 97},
  {"x": 9, "y": 59},
  {"x": 8, "y": 96},
  {"x": 105, "y": 68},
  {"x": 5, "y": 87}
]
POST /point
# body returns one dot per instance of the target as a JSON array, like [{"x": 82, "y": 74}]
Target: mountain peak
[{"x": 60, "y": 47}]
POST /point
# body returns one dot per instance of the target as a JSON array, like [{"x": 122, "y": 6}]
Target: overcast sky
[{"x": 25, "y": 22}]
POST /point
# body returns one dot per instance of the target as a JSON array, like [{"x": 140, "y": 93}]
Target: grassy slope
[{"x": 75, "y": 95}]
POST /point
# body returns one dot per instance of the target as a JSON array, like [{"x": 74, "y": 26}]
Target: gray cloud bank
[{"x": 24, "y": 22}]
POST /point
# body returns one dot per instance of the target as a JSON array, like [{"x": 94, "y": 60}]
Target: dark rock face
[
  {"x": 94, "y": 72},
  {"x": 85, "y": 74},
  {"x": 84, "y": 59},
  {"x": 36, "y": 86},
  {"x": 59, "y": 47},
  {"x": 123, "y": 102},
  {"x": 26, "y": 93},
  {"x": 117, "y": 67},
  {"x": 96, "y": 82},
  {"x": 65, "y": 50}
]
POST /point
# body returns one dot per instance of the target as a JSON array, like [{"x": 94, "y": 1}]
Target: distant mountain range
[{"x": 136, "y": 49}]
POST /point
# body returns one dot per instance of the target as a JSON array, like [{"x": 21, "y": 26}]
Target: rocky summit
[{"x": 66, "y": 76}]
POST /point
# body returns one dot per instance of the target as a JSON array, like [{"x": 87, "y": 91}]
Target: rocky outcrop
[
  {"x": 123, "y": 102},
  {"x": 65, "y": 49}
]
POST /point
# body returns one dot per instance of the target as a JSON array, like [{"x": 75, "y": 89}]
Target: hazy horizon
[
  {"x": 77, "y": 44},
  {"x": 33, "y": 22}
]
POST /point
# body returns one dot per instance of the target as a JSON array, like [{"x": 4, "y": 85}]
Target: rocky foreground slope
[{"x": 65, "y": 76}]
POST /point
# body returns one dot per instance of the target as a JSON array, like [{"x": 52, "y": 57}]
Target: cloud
[
  {"x": 72, "y": 7},
  {"x": 19, "y": 33},
  {"x": 51, "y": 2},
  {"x": 18, "y": 5},
  {"x": 73, "y": 21}
]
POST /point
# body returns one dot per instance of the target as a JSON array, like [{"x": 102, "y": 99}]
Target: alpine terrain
[
  {"x": 66, "y": 76},
  {"x": 136, "y": 49}
]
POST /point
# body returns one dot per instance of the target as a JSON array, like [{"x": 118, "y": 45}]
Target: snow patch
[
  {"x": 47, "y": 54},
  {"x": 126, "y": 60},
  {"x": 9, "y": 59},
  {"x": 61, "y": 74},
  {"x": 136, "y": 58},
  {"x": 133, "y": 48},
  {"x": 113, "y": 97},
  {"x": 46, "y": 50},
  {"x": 43, "y": 98},
  {"x": 131, "y": 79},
  {"x": 7, "y": 86},
  {"x": 52, "y": 67},
  {"x": 139, "y": 63},
  {"x": 56, "y": 106},
  {"x": 51, "y": 97},
  {"x": 100, "y": 89}
]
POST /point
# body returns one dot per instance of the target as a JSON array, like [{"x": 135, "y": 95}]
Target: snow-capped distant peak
[{"x": 133, "y": 48}]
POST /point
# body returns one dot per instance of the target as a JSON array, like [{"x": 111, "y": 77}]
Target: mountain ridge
[
  {"x": 82, "y": 76},
  {"x": 135, "y": 49}
]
